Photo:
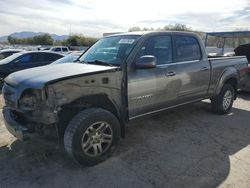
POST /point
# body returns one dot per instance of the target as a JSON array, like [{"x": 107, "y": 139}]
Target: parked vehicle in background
[
  {"x": 8, "y": 52},
  {"x": 119, "y": 78},
  {"x": 43, "y": 49},
  {"x": 60, "y": 49},
  {"x": 244, "y": 50},
  {"x": 70, "y": 58},
  {"x": 229, "y": 54},
  {"x": 246, "y": 84},
  {"x": 25, "y": 60}
]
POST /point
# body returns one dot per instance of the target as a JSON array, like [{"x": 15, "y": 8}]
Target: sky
[{"x": 95, "y": 17}]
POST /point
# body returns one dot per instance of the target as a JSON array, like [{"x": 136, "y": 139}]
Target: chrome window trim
[{"x": 177, "y": 63}]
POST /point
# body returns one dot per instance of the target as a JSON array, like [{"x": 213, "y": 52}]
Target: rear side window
[
  {"x": 7, "y": 54},
  {"x": 64, "y": 49},
  {"x": 57, "y": 50},
  {"x": 2, "y": 56},
  {"x": 39, "y": 57},
  {"x": 52, "y": 57},
  {"x": 159, "y": 47},
  {"x": 187, "y": 48}
]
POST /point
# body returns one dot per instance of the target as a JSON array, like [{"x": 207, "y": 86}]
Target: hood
[{"x": 38, "y": 77}]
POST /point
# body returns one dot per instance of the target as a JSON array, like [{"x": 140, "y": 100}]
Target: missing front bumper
[{"x": 15, "y": 128}]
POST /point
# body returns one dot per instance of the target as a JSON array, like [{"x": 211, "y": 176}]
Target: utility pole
[{"x": 69, "y": 29}]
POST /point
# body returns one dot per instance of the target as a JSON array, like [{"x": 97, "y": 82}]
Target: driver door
[{"x": 153, "y": 89}]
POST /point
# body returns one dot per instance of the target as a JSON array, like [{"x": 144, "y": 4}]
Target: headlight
[{"x": 28, "y": 100}]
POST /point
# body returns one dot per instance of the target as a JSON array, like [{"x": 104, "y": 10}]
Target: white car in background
[
  {"x": 8, "y": 52},
  {"x": 60, "y": 49},
  {"x": 70, "y": 58}
]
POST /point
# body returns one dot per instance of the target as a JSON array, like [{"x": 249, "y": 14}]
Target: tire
[
  {"x": 91, "y": 136},
  {"x": 223, "y": 102}
]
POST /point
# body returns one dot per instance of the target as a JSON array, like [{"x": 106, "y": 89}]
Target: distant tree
[
  {"x": 45, "y": 39},
  {"x": 57, "y": 43},
  {"x": 169, "y": 27},
  {"x": 136, "y": 28},
  {"x": 79, "y": 40},
  {"x": 176, "y": 27},
  {"x": 10, "y": 39},
  {"x": 73, "y": 40}
]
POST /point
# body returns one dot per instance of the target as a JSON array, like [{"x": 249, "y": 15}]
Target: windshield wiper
[
  {"x": 77, "y": 61},
  {"x": 98, "y": 62}
]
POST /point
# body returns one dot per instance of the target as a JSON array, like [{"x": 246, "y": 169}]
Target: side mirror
[{"x": 146, "y": 62}]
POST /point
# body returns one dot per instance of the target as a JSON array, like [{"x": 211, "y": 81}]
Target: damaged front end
[
  {"x": 27, "y": 112},
  {"x": 49, "y": 108}
]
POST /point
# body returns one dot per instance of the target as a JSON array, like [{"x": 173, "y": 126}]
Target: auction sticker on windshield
[{"x": 126, "y": 41}]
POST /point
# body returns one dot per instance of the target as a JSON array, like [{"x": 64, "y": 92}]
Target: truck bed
[{"x": 218, "y": 66}]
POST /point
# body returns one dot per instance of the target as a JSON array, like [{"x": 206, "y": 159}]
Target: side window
[
  {"x": 160, "y": 47},
  {"x": 57, "y": 50},
  {"x": 64, "y": 49},
  {"x": 51, "y": 57},
  {"x": 56, "y": 56},
  {"x": 25, "y": 58},
  {"x": 7, "y": 54},
  {"x": 187, "y": 48},
  {"x": 39, "y": 57}
]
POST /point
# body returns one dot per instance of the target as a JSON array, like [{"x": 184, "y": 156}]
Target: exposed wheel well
[
  {"x": 101, "y": 101},
  {"x": 234, "y": 83}
]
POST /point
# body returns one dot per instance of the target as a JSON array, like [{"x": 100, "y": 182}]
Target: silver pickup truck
[{"x": 119, "y": 78}]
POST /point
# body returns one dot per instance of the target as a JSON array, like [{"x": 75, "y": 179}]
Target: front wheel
[
  {"x": 223, "y": 102},
  {"x": 91, "y": 136}
]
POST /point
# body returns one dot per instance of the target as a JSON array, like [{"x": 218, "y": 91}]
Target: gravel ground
[{"x": 183, "y": 147}]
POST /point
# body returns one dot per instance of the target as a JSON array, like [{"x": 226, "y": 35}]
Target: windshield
[
  {"x": 67, "y": 59},
  {"x": 111, "y": 50},
  {"x": 10, "y": 58}
]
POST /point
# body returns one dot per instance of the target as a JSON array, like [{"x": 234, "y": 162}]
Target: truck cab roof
[{"x": 149, "y": 33}]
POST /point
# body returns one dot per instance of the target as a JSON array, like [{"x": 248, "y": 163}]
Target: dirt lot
[{"x": 184, "y": 147}]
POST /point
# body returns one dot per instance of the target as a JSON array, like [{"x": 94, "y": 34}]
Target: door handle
[
  {"x": 170, "y": 74},
  {"x": 204, "y": 68}
]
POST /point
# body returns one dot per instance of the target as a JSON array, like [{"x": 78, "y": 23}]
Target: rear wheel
[
  {"x": 223, "y": 102},
  {"x": 91, "y": 136}
]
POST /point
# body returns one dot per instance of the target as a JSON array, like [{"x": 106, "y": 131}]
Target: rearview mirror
[{"x": 146, "y": 62}]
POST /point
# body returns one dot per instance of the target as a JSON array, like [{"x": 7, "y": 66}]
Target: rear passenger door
[{"x": 192, "y": 68}]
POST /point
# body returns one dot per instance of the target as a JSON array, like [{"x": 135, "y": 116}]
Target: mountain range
[{"x": 26, "y": 34}]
